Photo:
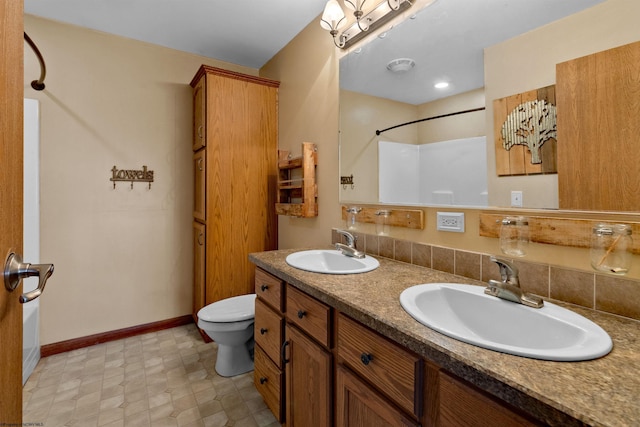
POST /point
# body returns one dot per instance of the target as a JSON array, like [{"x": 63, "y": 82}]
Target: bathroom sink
[
  {"x": 466, "y": 313},
  {"x": 331, "y": 262}
]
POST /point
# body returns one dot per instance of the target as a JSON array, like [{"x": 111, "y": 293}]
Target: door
[{"x": 11, "y": 134}]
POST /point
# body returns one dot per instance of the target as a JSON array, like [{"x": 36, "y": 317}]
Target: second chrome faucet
[{"x": 508, "y": 287}]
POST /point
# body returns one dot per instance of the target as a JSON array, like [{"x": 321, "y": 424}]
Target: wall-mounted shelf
[
  {"x": 398, "y": 217},
  {"x": 297, "y": 187},
  {"x": 560, "y": 231}
]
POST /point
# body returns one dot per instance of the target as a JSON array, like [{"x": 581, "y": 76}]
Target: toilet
[{"x": 229, "y": 323}]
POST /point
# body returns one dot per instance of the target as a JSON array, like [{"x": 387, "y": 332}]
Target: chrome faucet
[
  {"x": 350, "y": 248},
  {"x": 509, "y": 286}
]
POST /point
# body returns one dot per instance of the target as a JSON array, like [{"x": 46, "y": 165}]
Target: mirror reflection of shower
[{"x": 31, "y": 234}]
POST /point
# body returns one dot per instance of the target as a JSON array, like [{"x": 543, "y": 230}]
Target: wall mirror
[{"x": 390, "y": 80}]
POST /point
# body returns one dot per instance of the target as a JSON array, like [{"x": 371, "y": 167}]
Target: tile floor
[{"x": 164, "y": 378}]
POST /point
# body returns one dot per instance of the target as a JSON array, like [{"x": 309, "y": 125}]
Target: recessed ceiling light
[
  {"x": 441, "y": 85},
  {"x": 401, "y": 65}
]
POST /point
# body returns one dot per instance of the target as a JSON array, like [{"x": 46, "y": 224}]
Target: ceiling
[
  {"x": 447, "y": 41},
  {"x": 243, "y": 32}
]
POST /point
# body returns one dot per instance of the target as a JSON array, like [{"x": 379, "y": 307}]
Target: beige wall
[{"x": 122, "y": 257}]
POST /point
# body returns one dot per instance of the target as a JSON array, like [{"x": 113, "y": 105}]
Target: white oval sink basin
[
  {"x": 331, "y": 262},
  {"x": 466, "y": 313}
]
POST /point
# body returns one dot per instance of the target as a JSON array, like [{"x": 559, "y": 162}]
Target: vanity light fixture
[{"x": 333, "y": 19}]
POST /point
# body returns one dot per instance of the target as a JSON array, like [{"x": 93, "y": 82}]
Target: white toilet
[{"x": 230, "y": 324}]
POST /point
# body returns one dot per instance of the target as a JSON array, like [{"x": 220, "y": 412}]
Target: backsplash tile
[
  {"x": 611, "y": 294},
  {"x": 443, "y": 259},
  {"x": 467, "y": 264},
  {"x": 576, "y": 287},
  {"x": 618, "y": 296}
]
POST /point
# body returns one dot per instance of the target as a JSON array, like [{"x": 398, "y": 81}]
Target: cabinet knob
[
  {"x": 366, "y": 358},
  {"x": 264, "y": 288},
  {"x": 263, "y": 331},
  {"x": 301, "y": 314},
  {"x": 263, "y": 380}
]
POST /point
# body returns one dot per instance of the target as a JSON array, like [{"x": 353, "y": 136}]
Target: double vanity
[{"x": 350, "y": 349}]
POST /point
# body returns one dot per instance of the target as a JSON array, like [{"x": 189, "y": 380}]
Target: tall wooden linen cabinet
[{"x": 235, "y": 144}]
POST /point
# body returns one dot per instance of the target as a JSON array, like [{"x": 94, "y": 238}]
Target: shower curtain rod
[
  {"x": 37, "y": 84},
  {"x": 378, "y": 132}
]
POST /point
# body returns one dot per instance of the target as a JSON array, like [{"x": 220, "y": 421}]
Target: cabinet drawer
[
  {"x": 269, "y": 288},
  {"x": 268, "y": 331},
  {"x": 308, "y": 314},
  {"x": 391, "y": 369},
  {"x": 268, "y": 381}
]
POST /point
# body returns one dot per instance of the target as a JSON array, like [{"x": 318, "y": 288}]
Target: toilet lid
[{"x": 234, "y": 309}]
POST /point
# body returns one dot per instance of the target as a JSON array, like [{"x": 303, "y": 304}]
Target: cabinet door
[
  {"x": 199, "y": 185},
  {"x": 199, "y": 115},
  {"x": 461, "y": 405},
  {"x": 198, "y": 266},
  {"x": 359, "y": 405},
  {"x": 308, "y": 381}
]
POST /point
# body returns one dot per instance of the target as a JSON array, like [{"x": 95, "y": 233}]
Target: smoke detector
[{"x": 401, "y": 65}]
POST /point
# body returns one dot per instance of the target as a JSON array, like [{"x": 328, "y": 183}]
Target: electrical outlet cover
[{"x": 450, "y": 221}]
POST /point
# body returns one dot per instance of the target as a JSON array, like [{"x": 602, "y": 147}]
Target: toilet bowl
[{"x": 229, "y": 323}]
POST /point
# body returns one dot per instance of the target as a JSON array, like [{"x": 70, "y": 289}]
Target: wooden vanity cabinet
[
  {"x": 308, "y": 361},
  {"x": 235, "y": 144},
  {"x": 268, "y": 373},
  {"x": 315, "y": 366},
  {"x": 460, "y": 404}
]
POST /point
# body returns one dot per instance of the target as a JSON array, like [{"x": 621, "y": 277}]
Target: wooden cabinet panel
[
  {"x": 598, "y": 106},
  {"x": 270, "y": 289},
  {"x": 235, "y": 175},
  {"x": 199, "y": 115},
  {"x": 357, "y": 404},
  {"x": 268, "y": 330},
  {"x": 308, "y": 379},
  {"x": 199, "y": 237},
  {"x": 199, "y": 185},
  {"x": 309, "y": 314},
  {"x": 461, "y": 405},
  {"x": 268, "y": 381},
  {"x": 393, "y": 370}
]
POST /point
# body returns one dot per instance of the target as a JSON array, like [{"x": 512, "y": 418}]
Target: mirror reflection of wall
[{"x": 513, "y": 66}]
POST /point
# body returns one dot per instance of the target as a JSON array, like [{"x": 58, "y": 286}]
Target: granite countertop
[{"x": 601, "y": 392}]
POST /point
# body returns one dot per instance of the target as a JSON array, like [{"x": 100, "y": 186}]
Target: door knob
[{"x": 16, "y": 270}]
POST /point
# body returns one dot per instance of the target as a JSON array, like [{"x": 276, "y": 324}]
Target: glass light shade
[
  {"x": 354, "y": 5},
  {"x": 333, "y": 16}
]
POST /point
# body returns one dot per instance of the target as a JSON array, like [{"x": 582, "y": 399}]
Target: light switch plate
[
  {"x": 450, "y": 221},
  {"x": 516, "y": 199}
]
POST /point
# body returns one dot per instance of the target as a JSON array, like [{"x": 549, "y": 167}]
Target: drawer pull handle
[
  {"x": 366, "y": 358},
  {"x": 264, "y": 288},
  {"x": 283, "y": 354},
  {"x": 301, "y": 314},
  {"x": 263, "y": 331},
  {"x": 263, "y": 380}
]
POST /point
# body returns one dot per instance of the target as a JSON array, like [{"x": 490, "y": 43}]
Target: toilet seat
[{"x": 234, "y": 309}]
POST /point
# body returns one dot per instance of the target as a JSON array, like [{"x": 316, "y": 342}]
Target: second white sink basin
[
  {"x": 466, "y": 313},
  {"x": 331, "y": 262}
]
